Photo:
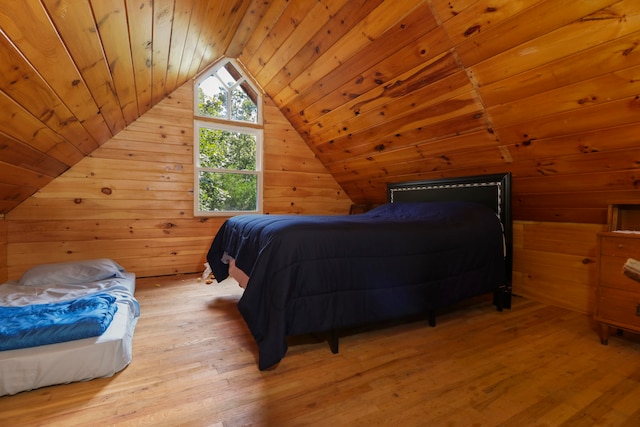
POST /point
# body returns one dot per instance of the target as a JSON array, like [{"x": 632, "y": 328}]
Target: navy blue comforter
[{"x": 317, "y": 273}]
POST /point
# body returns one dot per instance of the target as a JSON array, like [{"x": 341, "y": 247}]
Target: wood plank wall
[
  {"x": 132, "y": 199},
  {"x": 556, "y": 263}
]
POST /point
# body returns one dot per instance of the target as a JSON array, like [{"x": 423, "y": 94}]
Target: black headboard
[{"x": 492, "y": 190}]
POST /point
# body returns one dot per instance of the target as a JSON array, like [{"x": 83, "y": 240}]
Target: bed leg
[
  {"x": 334, "y": 341},
  {"x": 431, "y": 317},
  {"x": 502, "y": 297}
]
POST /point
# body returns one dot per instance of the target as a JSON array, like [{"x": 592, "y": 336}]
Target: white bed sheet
[{"x": 79, "y": 360}]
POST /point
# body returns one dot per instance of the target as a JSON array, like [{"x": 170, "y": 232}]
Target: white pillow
[{"x": 71, "y": 273}]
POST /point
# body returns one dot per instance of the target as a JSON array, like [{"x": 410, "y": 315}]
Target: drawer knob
[{"x": 620, "y": 246}]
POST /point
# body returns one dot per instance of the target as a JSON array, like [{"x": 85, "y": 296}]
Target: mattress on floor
[{"x": 78, "y": 360}]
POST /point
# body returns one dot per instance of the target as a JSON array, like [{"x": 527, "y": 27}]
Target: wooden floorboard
[{"x": 194, "y": 364}]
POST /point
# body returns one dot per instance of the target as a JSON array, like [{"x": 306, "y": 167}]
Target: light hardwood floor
[{"x": 194, "y": 364}]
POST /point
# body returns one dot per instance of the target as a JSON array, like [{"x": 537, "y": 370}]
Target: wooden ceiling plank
[
  {"x": 411, "y": 159},
  {"x": 197, "y": 24},
  {"x": 255, "y": 13},
  {"x": 162, "y": 26},
  {"x": 449, "y": 9},
  {"x": 27, "y": 25},
  {"x": 182, "y": 15},
  {"x": 111, "y": 16},
  {"x": 376, "y": 140},
  {"x": 276, "y": 52},
  {"x": 7, "y": 206},
  {"x": 13, "y": 174},
  {"x": 228, "y": 23},
  {"x": 14, "y": 193},
  {"x": 429, "y": 83},
  {"x": 443, "y": 147},
  {"x": 20, "y": 125},
  {"x": 77, "y": 28},
  {"x": 140, "y": 23},
  {"x": 463, "y": 106},
  {"x": 590, "y": 118},
  {"x": 544, "y": 17},
  {"x": 408, "y": 162},
  {"x": 208, "y": 29},
  {"x": 621, "y": 19},
  {"x": 614, "y": 138},
  {"x": 292, "y": 18},
  {"x": 260, "y": 31},
  {"x": 359, "y": 37},
  {"x": 30, "y": 158},
  {"x": 338, "y": 25},
  {"x": 619, "y": 160},
  {"x": 443, "y": 95},
  {"x": 405, "y": 46},
  {"x": 13, "y": 196},
  {"x": 25, "y": 86},
  {"x": 422, "y": 141},
  {"x": 620, "y": 84},
  {"x": 483, "y": 15},
  {"x": 607, "y": 57}
]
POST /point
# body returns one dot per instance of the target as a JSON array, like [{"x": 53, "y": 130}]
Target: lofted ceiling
[{"x": 381, "y": 91}]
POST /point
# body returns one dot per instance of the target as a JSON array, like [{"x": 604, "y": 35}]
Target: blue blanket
[{"x": 40, "y": 324}]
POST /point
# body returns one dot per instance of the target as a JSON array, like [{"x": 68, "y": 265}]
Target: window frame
[{"x": 231, "y": 125}]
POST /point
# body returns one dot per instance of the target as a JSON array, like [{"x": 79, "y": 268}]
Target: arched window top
[{"x": 225, "y": 93}]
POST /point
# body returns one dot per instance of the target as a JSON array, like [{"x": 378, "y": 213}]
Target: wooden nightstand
[{"x": 618, "y": 296}]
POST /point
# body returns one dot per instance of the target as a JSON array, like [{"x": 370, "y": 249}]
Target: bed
[
  {"x": 434, "y": 244},
  {"x": 59, "y": 349}
]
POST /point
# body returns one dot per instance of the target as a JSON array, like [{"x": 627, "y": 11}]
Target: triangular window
[{"x": 225, "y": 93}]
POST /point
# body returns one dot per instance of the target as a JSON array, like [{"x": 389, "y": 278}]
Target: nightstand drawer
[
  {"x": 618, "y": 308},
  {"x": 626, "y": 246}
]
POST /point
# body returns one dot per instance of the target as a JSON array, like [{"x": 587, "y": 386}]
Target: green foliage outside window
[{"x": 224, "y": 155}]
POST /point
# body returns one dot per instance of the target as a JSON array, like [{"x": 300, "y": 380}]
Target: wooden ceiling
[{"x": 382, "y": 91}]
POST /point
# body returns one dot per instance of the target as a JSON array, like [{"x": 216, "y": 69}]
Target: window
[{"x": 228, "y": 142}]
